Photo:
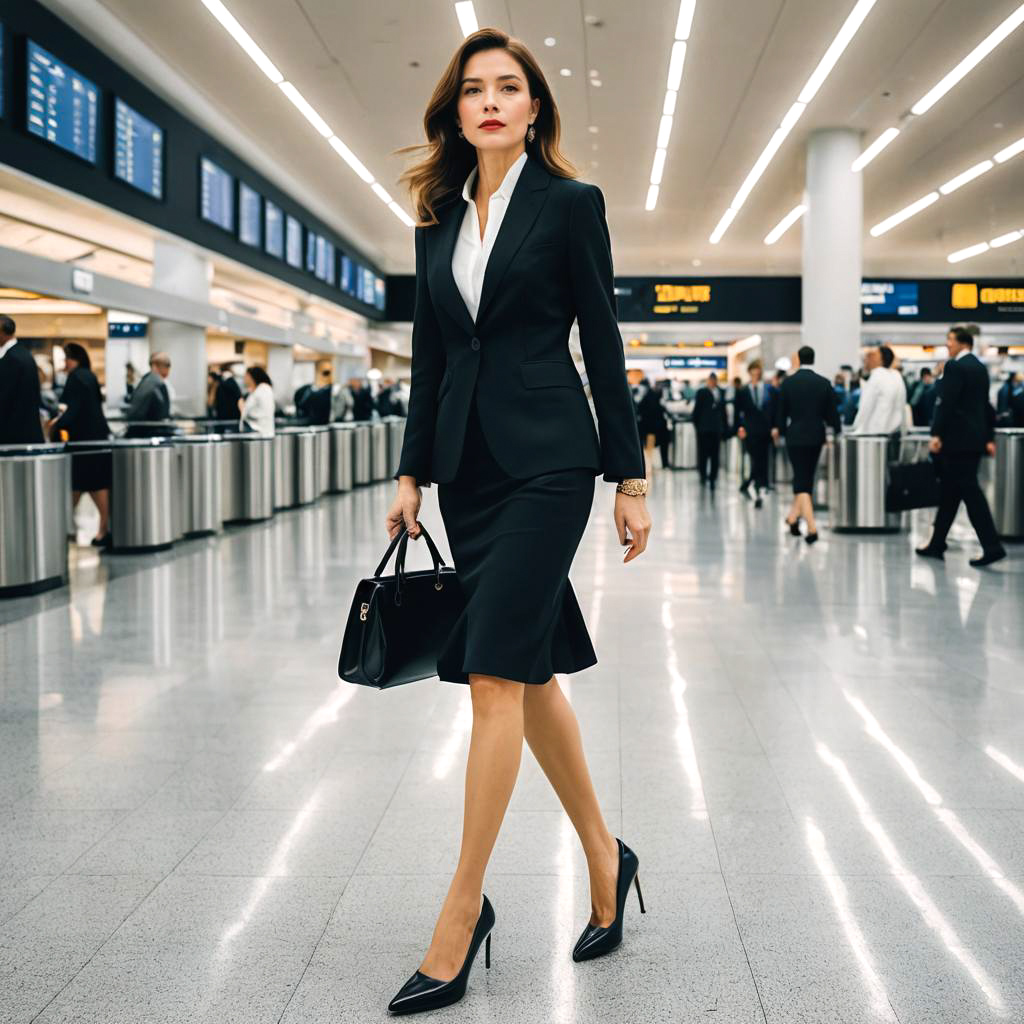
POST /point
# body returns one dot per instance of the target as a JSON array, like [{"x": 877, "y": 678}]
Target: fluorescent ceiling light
[
  {"x": 381, "y": 193},
  {"x": 1011, "y": 151},
  {"x": 685, "y": 20},
  {"x": 350, "y": 158},
  {"x": 835, "y": 51},
  {"x": 652, "y": 198},
  {"x": 785, "y": 224},
  {"x": 969, "y": 175},
  {"x": 466, "y": 14},
  {"x": 905, "y": 214},
  {"x": 658, "y": 166},
  {"x": 401, "y": 215},
  {"x": 244, "y": 40},
  {"x": 849, "y": 29},
  {"x": 1010, "y": 236},
  {"x": 675, "y": 65},
  {"x": 305, "y": 108},
  {"x": 669, "y": 106},
  {"x": 664, "y": 131},
  {"x": 966, "y": 254},
  {"x": 970, "y": 62},
  {"x": 874, "y": 149}
]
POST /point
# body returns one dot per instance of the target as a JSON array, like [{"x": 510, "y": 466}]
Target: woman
[
  {"x": 83, "y": 420},
  {"x": 653, "y": 424},
  {"x": 257, "y": 407},
  {"x": 511, "y": 250}
]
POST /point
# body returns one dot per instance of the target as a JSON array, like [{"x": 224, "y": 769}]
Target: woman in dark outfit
[
  {"x": 510, "y": 250},
  {"x": 83, "y": 420}
]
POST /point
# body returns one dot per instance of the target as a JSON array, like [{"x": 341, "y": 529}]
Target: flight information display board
[
  {"x": 138, "y": 150},
  {"x": 889, "y": 298},
  {"x": 379, "y": 295},
  {"x": 347, "y": 276},
  {"x": 311, "y": 242},
  {"x": 367, "y": 291},
  {"x": 63, "y": 106},
  {"x": 249, "y": 214},
  {"x": 273, "y": 229},
  {"x": 216, "y": 195},
  {"x": 293, "y": 242}
]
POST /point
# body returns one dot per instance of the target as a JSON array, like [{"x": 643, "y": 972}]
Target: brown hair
[{"x": 449, "y": 159}]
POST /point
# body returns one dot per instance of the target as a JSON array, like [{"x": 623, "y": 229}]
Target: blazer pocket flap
[{"x": 550, "y": 373}]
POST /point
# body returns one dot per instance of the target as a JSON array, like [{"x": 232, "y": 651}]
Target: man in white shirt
[{"x": 883, "y": 397}]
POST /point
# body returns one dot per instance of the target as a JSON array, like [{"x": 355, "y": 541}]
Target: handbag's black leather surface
[
  {"x": 397, "y": 624},
  {"x": 911, "y": 485}
]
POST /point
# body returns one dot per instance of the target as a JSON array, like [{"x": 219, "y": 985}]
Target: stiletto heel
[
  {"x": 639, "y": 894},
  {"x": 422, "y": 992},
  {"x": 596, "y": 940}
]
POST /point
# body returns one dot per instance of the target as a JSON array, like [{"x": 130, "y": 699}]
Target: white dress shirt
[
  {"x": 883, "y": 400},
  {"x": 7, "y": 346},
  {"x": 258, "y": 410},
  {"x": 469, "y": 260}
]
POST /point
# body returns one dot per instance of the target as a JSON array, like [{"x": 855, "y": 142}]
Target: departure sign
[
  {"x": 293, "y": 242},
  {"x": 680, "y": 298},
  {"x": 895, "y": 298},
  {"x": 273, "y": 229},
  {"x": 138, "y": 150},
  {"x": 216, "y": 195},
  {"x": 695, "y": 362},
  {"x": 248, "y": 215},
  {"x": 62, "y": 105}
]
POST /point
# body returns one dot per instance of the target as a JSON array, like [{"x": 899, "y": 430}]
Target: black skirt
[
  {"x": 513, "y": 542},
  {"x": 804, "y": 460},
  {"x": 91, "y": 471}
]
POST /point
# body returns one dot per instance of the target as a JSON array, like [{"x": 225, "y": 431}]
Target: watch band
[{"x": 635, "y": 487}]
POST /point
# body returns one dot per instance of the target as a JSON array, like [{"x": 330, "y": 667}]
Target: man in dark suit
[
  {"x": 711, "y": 424},
  {"x": 19, "y": 390},
  {"x": 151, "y": 402},
  {"x": 754, "y": 418},
  {"x": 227, "y": 395},
  {"x": 963, "y": 429},
  {"x": 806, "y": 405}
]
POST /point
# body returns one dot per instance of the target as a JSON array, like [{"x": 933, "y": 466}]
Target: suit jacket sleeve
[
  {"x": 952, "y": 386},
  {"x": 73, "y": 396},
  {"x": 428, "y": 363},
  {"x": 590, "y": 268},
  {"x": 832, "y": 409},
  {"x": 781, "y": 411}
]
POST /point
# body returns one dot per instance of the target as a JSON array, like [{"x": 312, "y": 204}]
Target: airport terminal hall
[{"x": 511, "y": 511}]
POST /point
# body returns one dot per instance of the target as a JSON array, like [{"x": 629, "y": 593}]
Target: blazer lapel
[{"x": 445, "y": 235}]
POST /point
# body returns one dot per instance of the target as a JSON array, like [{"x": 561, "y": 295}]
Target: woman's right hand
[{"x": 404, "y": 509}]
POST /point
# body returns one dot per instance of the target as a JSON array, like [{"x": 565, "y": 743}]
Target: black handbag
[
  {"x": 397, "y": 624},
  {"x": 911, "y": 485}
]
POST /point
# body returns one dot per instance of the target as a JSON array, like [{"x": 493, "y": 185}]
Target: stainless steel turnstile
[
  {"x": 35, "y": 481},
  {"x": 247, "y": 478},
  {"x": 361, "y": 464},
  {"x": 307, "y": 473},
  {"x": 284, "y": 469},
  {"x": 857, "y": 481},
  {"x": 379, "y": 451},
  {"x": 343, "y": 450},
  {"x": 322, "y": 444},
  {"x": 142, "y": 516},
  {"x": 1002, "y": 479},
  {"x": 684, "y": 445},
  {"x": 396, "y": 436},
  {"x": 200, "y": 505}
]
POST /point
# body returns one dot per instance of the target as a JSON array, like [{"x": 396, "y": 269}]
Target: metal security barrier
[
  {"x": 142, "y": 516},
  {"x": 1002, "y": 479},
  {"x": 284, "y": 469},
  {"x": 200, "y": 503},
  {"x": 322, "y": 445},
  {"x": 379, "y": 454},
  {"x": 343, "y": 450},
  {"x": 35, "y": 481},
  {"x": 731, "y": 456},
  {"x": 307, "y": 474},
  {"x": 361, "y": 464},
  {"x": 247, "y": 478},
  {"x": 396, "y": 436},
  {"x": 684, "y": 445},
  {"x": 858, "y": 477}
]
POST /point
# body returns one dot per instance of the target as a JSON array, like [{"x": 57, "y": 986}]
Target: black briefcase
[
  {"x": 397, "y": 624},
  {"x": 911, "y": 485}
]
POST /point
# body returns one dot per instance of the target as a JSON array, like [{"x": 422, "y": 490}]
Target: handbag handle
[
  {"x": 402, "y": 537},
  {"x": 400, "y": 563}
]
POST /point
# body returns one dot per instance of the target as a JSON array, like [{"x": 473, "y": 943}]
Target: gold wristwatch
[{"x": 634, "y": 487}]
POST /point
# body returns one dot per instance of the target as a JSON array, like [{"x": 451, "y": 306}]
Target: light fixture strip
[
  {"x": 244, "y": 40},
  {"x": 876, "y": 147},
  {"x": 905, "y": 214},
  {"x": 466, "y": 13},
  {"x": 836, "y": 48},
  {"x": 977, "y": 250},
  {"x": 785, "y": 224},
  {"x": 969, "y": 175}
]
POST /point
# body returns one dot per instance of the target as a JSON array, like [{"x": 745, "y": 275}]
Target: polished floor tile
[{"x": 817, "y": 753}]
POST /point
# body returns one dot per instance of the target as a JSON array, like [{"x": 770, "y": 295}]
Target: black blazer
[
  {"x": 964, "y": 417},
  {"x": 83, "y": 419},
  {"x": 757, "y": 422},
  {"x": 807, "y": 403},
  {"x": 551, "y": 264},
  {"x": 709, "y": 416},
  {"x": 19, "y": 398},
  {"x": 226, "y": 397}
]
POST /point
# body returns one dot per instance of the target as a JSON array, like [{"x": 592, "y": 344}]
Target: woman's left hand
[{"x": 631, "y": 514}]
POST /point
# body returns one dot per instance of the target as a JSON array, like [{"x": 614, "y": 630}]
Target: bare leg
[
  {"x": 495, "y": 751},
  {"x": 794, "y": 510},
  {"x": 807, "y": 511},
  {"x": 553, "y": 733},
  {"x": 102, "y": 501}
]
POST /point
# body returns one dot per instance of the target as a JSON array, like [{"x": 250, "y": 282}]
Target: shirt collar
[
  {"x": 508, "y": 183},
  {"x": 963, "y": 352},
  {"x": 7, "y": 346}
]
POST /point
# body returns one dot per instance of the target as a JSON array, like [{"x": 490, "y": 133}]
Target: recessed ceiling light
[
  {"x": 466, "y": 14},
  {"x": 696, "y": 262},
  {"x": 565, "y": 72},
  {"x": 593, "y": 73},
  {"x": 593, "y": 129},
  {"x": 596, "y": 83},
  {"x": 549, "y": 40}
]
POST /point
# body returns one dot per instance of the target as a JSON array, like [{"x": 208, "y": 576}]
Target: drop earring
[
  {"x": 531, "y": 134},
  {"x": 458, "y": 128}
]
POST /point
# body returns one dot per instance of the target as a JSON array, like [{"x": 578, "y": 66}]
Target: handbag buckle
[
  {"x": 363, "y": 609},
  {"x": 439, "y": 586}
]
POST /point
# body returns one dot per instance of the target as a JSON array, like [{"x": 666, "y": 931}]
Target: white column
[
  {"x": 182, "y": 271},
  {"x": 832, "y": 230}
]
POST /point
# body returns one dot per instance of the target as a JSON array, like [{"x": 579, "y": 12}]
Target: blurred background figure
[
  {"x": 883, "y": 398},
  {"x": 20, "y": 398},
  {"x": 317, "y": 402},
  {"x": 226, "y": 394},
  {"x": 150, "y": 403},
  {"x": 1004, "y": 398},
  {"x": 922, "y": 399},
  {"x": 711, "y": 423},
  {"x": 362, "y": 400},
  {"x": 653, "y": 424},
  {"x": 755, "y": 415},
  {"x": 257, "y": 407},
  {"x": 805, "y": 407},
  {"x": 82, "y": 419}
]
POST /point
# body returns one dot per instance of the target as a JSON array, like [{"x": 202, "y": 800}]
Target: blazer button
[{"x": 475, "y": 344}]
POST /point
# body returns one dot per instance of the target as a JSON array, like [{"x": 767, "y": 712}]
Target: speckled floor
[{"x": 817, "y": 753}]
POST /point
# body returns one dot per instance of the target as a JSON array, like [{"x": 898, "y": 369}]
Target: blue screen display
[
  {"x": 695, "y": 362},
  {"x": 293, "y": 242},
  {"x": 347, "y": 275},
  {"x": 273, "y": 229},
  {"x": 138, "y": 151},
  {"x": 63, "y": 107},
  {"x": 367, "y": 290},
  {"x": 248, "y": 214},
  {"x": 216, "y": 195},
  {"x": 311, "y": 239},
  {"x": 379, "y": 297},
  {"x": 889, "y": 298}
]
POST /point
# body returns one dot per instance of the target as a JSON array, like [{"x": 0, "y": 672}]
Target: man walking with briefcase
[{"x": 963, "y": 429}]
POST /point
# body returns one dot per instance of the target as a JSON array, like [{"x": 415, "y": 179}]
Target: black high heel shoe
[
  {"x": 811, "y": 537},
  {"x": 794, "y": 528},
  {"x": 596, "y": 940},
  {"x": 421, "y": 992}
]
